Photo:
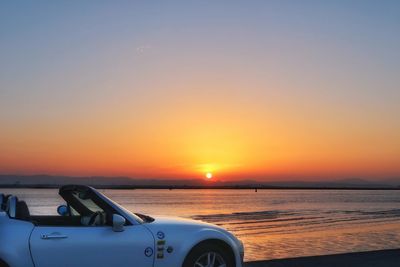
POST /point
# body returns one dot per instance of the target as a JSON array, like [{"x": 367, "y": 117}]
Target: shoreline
[
  {"x": 238, "y": 187},
  {"x": 376, "y": 258}
]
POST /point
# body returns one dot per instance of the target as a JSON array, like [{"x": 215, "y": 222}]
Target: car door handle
[{"x": 53, "y": 236}]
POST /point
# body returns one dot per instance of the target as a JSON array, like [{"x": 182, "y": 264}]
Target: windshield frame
[
  {"x": 68, "y": 193},
  {"x": 133, "y": 218}
]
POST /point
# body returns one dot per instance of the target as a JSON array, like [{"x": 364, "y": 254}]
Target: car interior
[{"x": 84, "y": 208}]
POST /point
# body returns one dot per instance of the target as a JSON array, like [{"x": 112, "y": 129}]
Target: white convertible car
[{"x": 94, "y": 231}]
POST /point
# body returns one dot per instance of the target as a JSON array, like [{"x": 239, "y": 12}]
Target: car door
[{"x": 100, "y": 246}]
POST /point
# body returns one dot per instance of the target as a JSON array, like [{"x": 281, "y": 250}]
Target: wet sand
[{"x": 379, "y": 258}]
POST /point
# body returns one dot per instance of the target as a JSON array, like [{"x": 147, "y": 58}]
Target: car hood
[
  {"x": 177, "y": 224},
  {"x": 178, "y": 221}
]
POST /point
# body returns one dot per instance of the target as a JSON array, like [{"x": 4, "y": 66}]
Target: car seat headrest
[{"x": 11, "y": 208}]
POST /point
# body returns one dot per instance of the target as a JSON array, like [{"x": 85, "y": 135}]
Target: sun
[{"x": 209, "y": 175}]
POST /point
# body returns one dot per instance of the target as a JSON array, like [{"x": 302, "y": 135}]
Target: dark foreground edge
[{"x": 379, "y": 258}]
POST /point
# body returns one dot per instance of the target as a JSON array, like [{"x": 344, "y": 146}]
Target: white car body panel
[
  {"x": 184, "y": 234},
  {"x": 164, "y": 242},
  {"x": 91, "y": 246},
  {"x": 14, "y": 241}
]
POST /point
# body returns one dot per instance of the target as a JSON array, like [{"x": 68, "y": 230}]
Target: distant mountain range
[{"x": 127, "y": 182}]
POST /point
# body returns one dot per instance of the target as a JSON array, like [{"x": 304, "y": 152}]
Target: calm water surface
[{"x": 271, "y": 223}]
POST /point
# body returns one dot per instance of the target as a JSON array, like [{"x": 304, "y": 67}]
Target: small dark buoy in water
[{"x": 255, "y": 190}]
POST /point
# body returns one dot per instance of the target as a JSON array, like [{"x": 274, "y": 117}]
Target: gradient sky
[{"x": 270, "y": 90}]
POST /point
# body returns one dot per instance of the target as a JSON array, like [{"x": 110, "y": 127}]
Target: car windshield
[
  {"x": 87, "y": 202},
  {"x": 139, "y": 219}
]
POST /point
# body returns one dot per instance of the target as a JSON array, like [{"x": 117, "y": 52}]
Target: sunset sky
[{"x": 268, "y": 90}]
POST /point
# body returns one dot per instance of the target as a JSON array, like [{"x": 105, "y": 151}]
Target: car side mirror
[
  {"x": 63, "y": 210},
  {"x": 118, "y": 223}
]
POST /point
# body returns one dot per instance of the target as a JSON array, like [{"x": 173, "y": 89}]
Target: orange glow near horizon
[{"x": 173, "y": 147}]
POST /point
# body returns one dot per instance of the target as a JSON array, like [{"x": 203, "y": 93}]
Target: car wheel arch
[{"x": 221, "y": 243}]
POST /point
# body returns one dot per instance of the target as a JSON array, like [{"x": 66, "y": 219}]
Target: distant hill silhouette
[{"x": 127, "y": 182}]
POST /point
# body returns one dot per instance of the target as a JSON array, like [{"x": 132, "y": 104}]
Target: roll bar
[{"x": 11, "y": 206}]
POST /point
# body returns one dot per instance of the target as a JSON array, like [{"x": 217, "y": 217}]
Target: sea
[{"x": 271, "y": 223}]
